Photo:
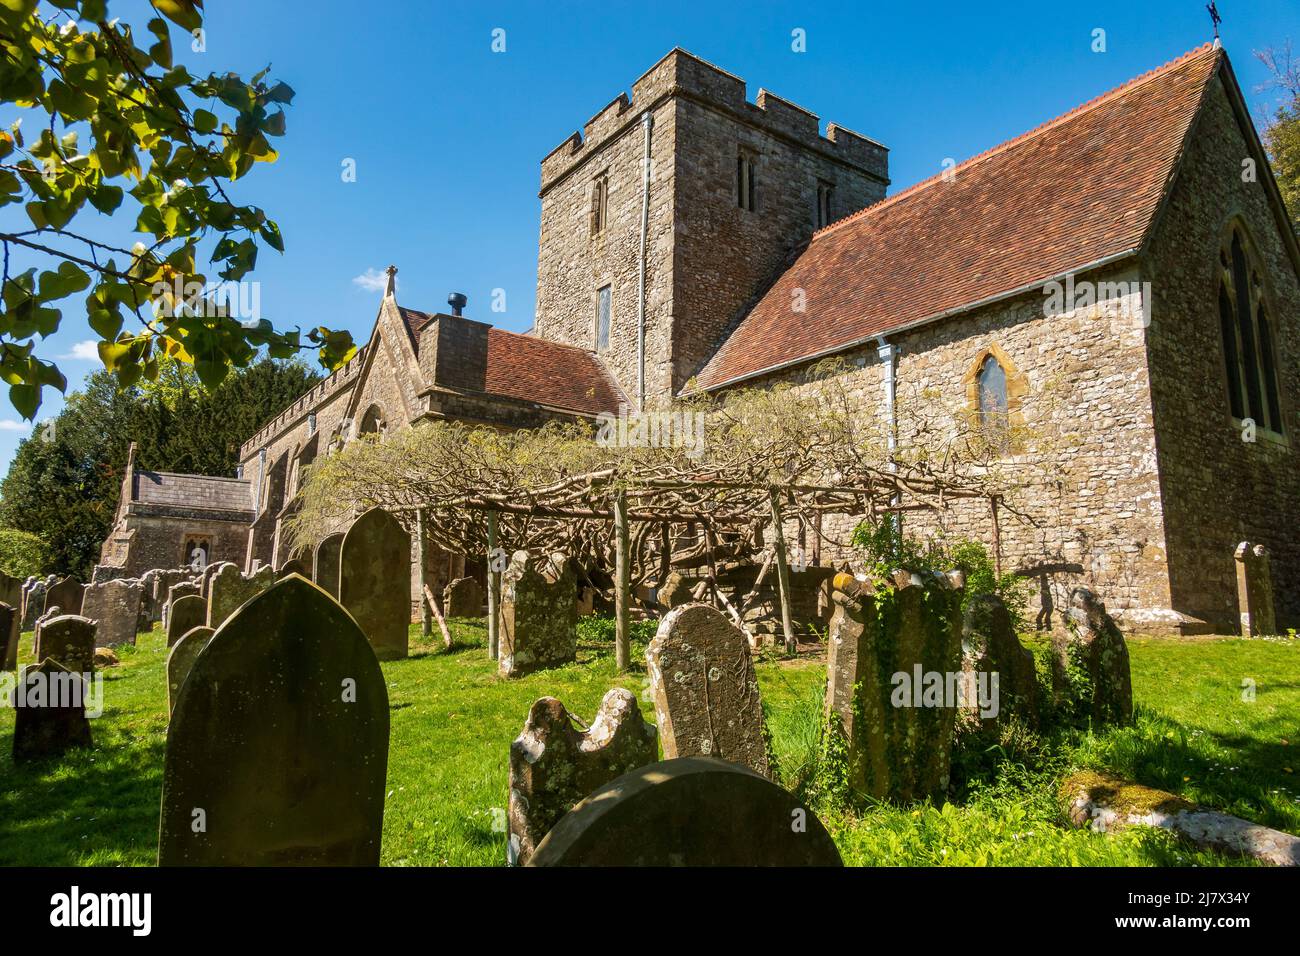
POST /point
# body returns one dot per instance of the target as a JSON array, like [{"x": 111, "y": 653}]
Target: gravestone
[
  {"x": 65, "y": 593},
  {"x": 277, "y": 750},
  {"x": 33, "y": 603},
  {"x": 11, "y": 590},
  {"x": 1090, "y": 666},
  {"x": 49, "y": 712},
  {"x": 693, "y": 811},
  {"x": 175, "y": 593},
  {"x": 1255, "y": 590},
  {"x": 676, "y": 591},
  {"x": 115, "y": 605},
  {"x": 187, "y": 613},
  {"x": 554, "y": 765},
  {"x": 991, "y": 651},
  {"x": 211, "y": 571},
  {"x": 325, "y": 564},
  {"x": 228, "y": 589},
  {"x": 294, "y": 566},
  {"x": 539, "y": 614},
  {"x": 463, "y": 598},
  {"x": 705, "y": 692},
  {"x": 180, "y": 659},
  {"x": 69, "y": 640},
  {"x": 375, "y": 581},
  {"x": 893, "y": 675},
  {"x": 10, "y": 635},
  {"x": 49, "y": 615}
]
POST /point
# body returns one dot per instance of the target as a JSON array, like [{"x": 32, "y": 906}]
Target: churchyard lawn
[{"x": 453, "y": 718}]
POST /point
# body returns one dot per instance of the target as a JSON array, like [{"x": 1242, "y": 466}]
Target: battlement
[
  {"x": 305, "y": 403},
  {"x": 682, "y": 74}
]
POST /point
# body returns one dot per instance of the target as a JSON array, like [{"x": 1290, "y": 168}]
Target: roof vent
[{"x": 457, "y": 302}]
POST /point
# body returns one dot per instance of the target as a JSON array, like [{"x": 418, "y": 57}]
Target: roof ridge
[
  {"x": 538, "y": 338},
  {"x": 1085, "y": 107}
]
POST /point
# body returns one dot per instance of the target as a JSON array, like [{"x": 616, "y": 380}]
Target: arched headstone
[
  {"x": 180, "y": 659},
  {"x": 228, "y": 589},
  {"x": 66, "y": 594},
  {"x": 69, "y": 639},
  {"x": 693, "y": 811},
  {"x": 325, "y": 564},
  {"x": 375, "y": 581},
  {"x": 294, "y": 566},
  {"x": 186, "y": 613},
  {"x": 49, "y": 712},
  {"x": 277, "y": 751}
]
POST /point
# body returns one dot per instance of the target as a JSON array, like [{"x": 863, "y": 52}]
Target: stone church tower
[{"x": 672, "y": 210}]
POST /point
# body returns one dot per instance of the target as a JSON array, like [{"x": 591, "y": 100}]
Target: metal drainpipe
[
  {"x": 647, "y": 123},
  {"x": 887, "y": 353}
]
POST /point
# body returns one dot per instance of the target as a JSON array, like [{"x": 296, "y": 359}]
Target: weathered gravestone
[
  {"x": 1090, "y": 668},
  {"x": 554, "y": 765},
  {"x": 375, "y": 581},
  {"x": 294, "y": 566},
  {"x": 996, "y": 666},
  {"x": 115, "y": 605},
  {"x": 893, "y": 678},
  {"x": 9, "y": 636},
  {"x": 1255, "y": 590},
  {"x": 33, "y": 603},
  {"x": 180, "y": 659},
  {"x": 228, "y": 589},
  {"x": 49, "y": 615},
  {"x": 277, "y": 749},
  {"x": 676, "y": 591},
  {"x": 187, "y": 613},
  {"x": 69, "y": 640},
  {"x": 65, "y": 593},
  {"x": 539, "y": 614},
  {"x": 11, "y": 590},
  {"x": 325, "y": 564},
  {"x": 705, "y": 692},
  {"x": 693, "y": 811},
  {"x": 463, "y": 598},
  {"x": 49, "y": 712},
  {"x": 175, "y": 593}
]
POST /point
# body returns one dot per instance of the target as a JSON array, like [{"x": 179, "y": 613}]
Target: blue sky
[{"x": 447, "y": 135}]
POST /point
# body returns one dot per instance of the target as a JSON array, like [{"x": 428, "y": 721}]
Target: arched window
[
  {"x": 992, "y": 393},
  {"x": 1249, "y": 355},
  {"x": 373, "y": 421}
]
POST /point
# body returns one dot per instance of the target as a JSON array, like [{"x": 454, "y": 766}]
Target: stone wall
[
  {"x": 1096, "y": 498},
  {"x": 159, "y": 541},
  {"x": 1219, "y": 490}
]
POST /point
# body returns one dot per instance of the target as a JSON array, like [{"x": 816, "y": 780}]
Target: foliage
[
  {"x": 113, "y": 120},
  {"x": 885, "y": 548},
  {"x": 64, "y": 481},
  {"x": 1282, "y": 134},
  {"x": 22, "y": 554}
]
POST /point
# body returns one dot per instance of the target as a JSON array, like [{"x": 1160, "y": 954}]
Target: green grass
[{"x": 453, "y": 720}]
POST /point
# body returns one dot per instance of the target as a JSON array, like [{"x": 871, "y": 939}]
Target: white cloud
[
  {"x": 9, "y": 425},
  {"x": 372, "y": 280},
  {"x": 87, "y": 351}
]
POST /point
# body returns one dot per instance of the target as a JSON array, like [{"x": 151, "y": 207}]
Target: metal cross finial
[{"x": 1214, "y": 17}]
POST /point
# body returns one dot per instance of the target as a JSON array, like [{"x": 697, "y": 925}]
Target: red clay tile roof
[
  {"x": 536, "y": 370},
  {"x": 1081, "y": 188}
]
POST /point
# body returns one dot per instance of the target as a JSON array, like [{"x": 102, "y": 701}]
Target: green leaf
[
  {"x": 270, "y": 234},
  {"x": 106, "y": 198},
  {"x": 205, "y": 121},
  {"x": 184, "y": 13}
]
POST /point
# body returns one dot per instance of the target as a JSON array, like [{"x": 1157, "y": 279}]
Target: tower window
[
  {"x": 992, "y": 382},
  {"x": 745, "y": 195},
  {"x": 599, "y": 204},
  {"x": 824, "y": 191},
  {"x": 1248, "y": 342},
  {"x": 604, "y": 313}
]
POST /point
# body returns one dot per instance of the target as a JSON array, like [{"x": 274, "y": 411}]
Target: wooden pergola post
[
  {"x": 421, "y": 534},
  {"x": 494, "y": 590},
  {"x": 622, "y": 584},
  {"x": 782, "y": 573}
]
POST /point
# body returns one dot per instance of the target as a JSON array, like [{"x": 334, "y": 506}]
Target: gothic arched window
[
  {"x": 992, "y": 382},
  {"x": 1249, "y": 355}
]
